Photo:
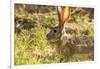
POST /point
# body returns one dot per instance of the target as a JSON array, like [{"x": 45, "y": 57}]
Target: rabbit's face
[{"x": 54, "y": 34}]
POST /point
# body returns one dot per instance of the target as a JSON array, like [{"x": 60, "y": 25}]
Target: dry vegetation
[{"x": 31, "y": 29}]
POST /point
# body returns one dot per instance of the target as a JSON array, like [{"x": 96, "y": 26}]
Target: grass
[{"x": 31, "y": 45}]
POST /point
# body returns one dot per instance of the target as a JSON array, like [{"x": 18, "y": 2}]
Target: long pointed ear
[
  {"x": 59, "y": 11},
  {"x": 63, "y": 14}
]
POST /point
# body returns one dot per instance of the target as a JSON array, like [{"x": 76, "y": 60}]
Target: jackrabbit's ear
[{"x": 63, "y": 13}]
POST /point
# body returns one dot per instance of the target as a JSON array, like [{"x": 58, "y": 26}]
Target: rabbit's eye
[{"x": 55, "y": 31}]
